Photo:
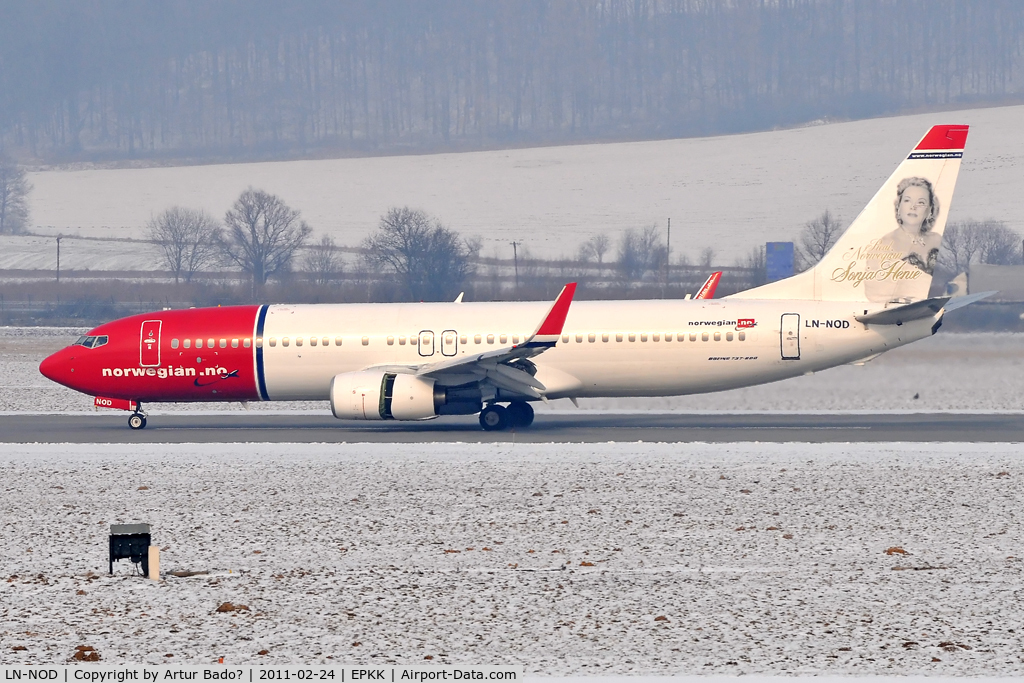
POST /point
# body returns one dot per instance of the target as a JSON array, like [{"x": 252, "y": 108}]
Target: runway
[{"x": 560, "y": 428}]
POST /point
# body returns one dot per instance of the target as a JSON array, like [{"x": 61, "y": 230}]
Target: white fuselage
[{"x": 607, "y": 348}]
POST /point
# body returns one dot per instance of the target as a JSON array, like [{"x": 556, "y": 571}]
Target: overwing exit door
[
  {"x": 149, "y": 344},
  {"x": 790, "y": 336},
  {"x": 426, "y": 343},
  {"x": 449, "y": 343}
]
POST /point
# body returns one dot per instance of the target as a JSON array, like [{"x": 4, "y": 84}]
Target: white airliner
[{"x": 869, "y": 294}]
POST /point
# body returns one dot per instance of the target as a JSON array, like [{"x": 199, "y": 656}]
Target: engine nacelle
[{"x": 375, "y": 395}]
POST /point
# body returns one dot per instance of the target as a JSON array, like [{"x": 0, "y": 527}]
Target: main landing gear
[
  {"x": 496, "y": 418},
  {"x": 137, "y": 420}
]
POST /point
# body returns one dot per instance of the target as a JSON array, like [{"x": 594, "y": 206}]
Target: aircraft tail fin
[{"x": 889, "y": 252}]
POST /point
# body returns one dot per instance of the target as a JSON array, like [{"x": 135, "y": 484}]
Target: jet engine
[{"x": 376, "y": 395}]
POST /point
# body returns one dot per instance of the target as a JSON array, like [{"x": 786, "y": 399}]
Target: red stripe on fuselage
[{"x": 223, "y": 372}]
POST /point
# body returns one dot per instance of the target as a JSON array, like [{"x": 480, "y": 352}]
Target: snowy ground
[
  {"x": 566, "y": 559},
  {"x": 729, "y": 193},
  {"x": 948, "y": 372}
]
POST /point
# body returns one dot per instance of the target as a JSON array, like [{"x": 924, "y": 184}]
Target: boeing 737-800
[{"x": 416, "y": 361}]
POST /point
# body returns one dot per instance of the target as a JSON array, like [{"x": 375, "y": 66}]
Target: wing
[{"x": 507, "y": 368}]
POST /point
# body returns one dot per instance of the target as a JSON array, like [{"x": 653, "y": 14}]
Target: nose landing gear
[{"x": 518, "y": 415}]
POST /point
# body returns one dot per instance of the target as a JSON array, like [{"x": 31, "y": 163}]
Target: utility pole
[
  {"x": 668, "y": 254},
  {"x": 515, "y": 260},
  {"x": 59, "y": 238}
]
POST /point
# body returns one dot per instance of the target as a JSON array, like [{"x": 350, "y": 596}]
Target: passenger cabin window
[
  {"x": 234, "y": 343},
  {"x": 337, "y": 341},
  {"x": 490, "y": 339},
  {"x": 223, "y": 343},
  {"x": 284, "y": 341},
  {"x": 704, "y": 337},
  {"x": 273, "y": 341},
  {"x": 463, "y": 338},
  {"x": 366, "y": 341},
  {"x": 604, "y": 337},
  {"x": 209, "y": 343},
  {"x": 515, "y": 339},
  {"x": 187, "y": 343},
  {"x": 693, "y": 336},
  {"x": 643, "y": 336},
  {"x": 632, "y": 336},
  {"x": 591, "y": 337},
  {"x": 401, "y": 341},
  {"x": 312, "y": 341},
  {"x": 743, "y": 336},
  {"x": 565, "y": 339},
  {"x": 718, "y": 336},
  {"x": 579, "y": 338},
  {"x": 391, "y": 341},
  {"x": 326, "y": 341},
  {"x": 246, "y": 343},
  {"x": 618, "y": 336},
  {"x": 174, "y": 343},
  {"x": 503, "y": 339},
  {"x": 199, "y": 343},
  {"x": 476, "y": 339},
  {"x": 298, "y": 341},
  {"x": 728, "y": 336}
]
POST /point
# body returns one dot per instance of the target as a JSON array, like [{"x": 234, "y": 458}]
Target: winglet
[
  {"x": 551, "y": 327},
  {"x": 707, "y": 291}
]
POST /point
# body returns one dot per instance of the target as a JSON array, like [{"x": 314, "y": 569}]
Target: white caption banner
[{"x": 143, "y": 673}]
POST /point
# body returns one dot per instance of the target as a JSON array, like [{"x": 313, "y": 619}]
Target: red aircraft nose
[{"x": 58, "y": 367}]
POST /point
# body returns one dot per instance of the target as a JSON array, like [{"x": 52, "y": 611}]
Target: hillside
[{"x": 729, "y": 193}]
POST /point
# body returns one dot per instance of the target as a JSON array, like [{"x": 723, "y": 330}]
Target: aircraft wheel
[
  {"x": 136, "y": 421},
  {"x": 520, "y": 414},
  {"x": 494, "y": 418}
]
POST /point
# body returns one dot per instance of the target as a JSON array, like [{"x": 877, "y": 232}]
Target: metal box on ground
[{"x": 131, "y": 542}]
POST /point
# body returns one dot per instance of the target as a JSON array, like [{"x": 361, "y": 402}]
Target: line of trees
[
  {"x": 964, "y": 243},
  {"x": 411, "y": 255},
  {"x": 14, "y": 189},
  {"x": 259, "y": 77}
]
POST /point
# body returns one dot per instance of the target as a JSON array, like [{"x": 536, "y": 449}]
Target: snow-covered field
[
  {"x": 566, "y": 559},
  {"x": 729, "y": 193},
  {"x": 948, "y": 372}
]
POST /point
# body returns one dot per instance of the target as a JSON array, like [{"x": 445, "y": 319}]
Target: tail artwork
[
  {"x": 707, "y": 290},
  {"x": 888, "y": 253}
]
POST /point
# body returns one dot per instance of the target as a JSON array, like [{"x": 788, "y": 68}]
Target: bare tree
[
  {"x": 970, "y": 241},
  {"x": 593, "y": 249},
  {"x": 322, "y": 262},
  {"x": 263, "y": 235},
  {"x": 1000, "y": 246},
  {"x": 189, "y": 240},
  {"x": 640, "y": 252},
  {"x": 14, "y": 189},
  {"x": 960, "y": 246},
  {"x": 757, "y": 263},
  {"x": 431, "y": 261},
  {"x": 817, "y": 238},
  {"x": 707, "y": 257}
]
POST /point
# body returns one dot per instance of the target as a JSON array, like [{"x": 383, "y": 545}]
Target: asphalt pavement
[{"x": 560, "y": 428}]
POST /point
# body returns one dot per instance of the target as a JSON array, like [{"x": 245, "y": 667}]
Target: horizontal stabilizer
[
  {"x": 904, "y": 314},
  {"x": 961, "y": 301}
]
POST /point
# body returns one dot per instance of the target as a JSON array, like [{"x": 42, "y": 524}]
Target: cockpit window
[{"x": 91, "y": 342}]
